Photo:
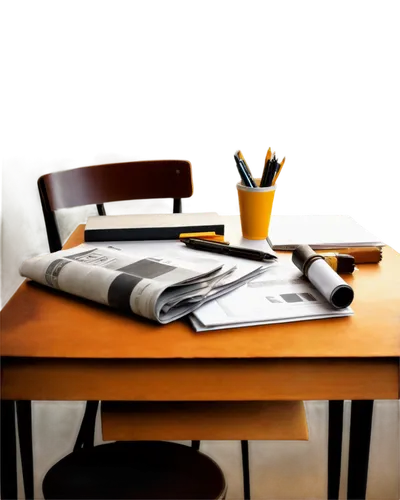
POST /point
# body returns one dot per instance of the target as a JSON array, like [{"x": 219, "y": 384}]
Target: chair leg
[
  {"x": 24, "y": 421},
  {"x": 360, "y": 439},
  {"x": 8, "y": 458},
  {"x": 246, "y": 470},
  {"x": 177, "y": 207},
  {"x": 196, "y": 445},
  {"x": 85, "y": 437},
  {"x": 100, "y": 209},
  {"x": 335, "y": 436}
]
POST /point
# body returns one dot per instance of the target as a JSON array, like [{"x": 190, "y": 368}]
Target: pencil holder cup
[{"x": 255, "y": 205}]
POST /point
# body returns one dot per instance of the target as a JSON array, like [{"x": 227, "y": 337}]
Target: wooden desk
[{"x": 58, "y": 347}]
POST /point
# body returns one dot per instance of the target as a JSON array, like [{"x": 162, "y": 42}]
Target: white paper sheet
[{"x": 280, "y": 295}]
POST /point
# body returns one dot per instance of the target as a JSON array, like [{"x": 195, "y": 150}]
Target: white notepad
[{"x": 319, "y": 231}]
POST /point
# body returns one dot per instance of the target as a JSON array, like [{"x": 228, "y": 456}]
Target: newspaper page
[
  {"x": 161, "y": 288},
  {"x": 177, "y": 249},
  {"x": 281, "y": 295}
]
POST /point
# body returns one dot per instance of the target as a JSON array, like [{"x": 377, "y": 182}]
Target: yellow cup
[{"x": 255, "y": 206}]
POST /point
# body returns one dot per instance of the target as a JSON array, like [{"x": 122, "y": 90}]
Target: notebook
[
  {"x": 319, "y": 231},
  {"x": 150, "y": 226}
]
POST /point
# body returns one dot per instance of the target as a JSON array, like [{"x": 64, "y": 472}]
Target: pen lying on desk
[{"x": 226, "y": 249}]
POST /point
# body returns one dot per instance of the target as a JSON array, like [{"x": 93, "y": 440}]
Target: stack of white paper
[{"x": 319, "y": 231}]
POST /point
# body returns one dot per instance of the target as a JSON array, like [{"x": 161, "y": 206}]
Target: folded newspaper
[{"x": 161, "y": 288}]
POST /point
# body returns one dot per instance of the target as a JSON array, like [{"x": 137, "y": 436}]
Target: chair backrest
[{"x": 112, "y": 182}]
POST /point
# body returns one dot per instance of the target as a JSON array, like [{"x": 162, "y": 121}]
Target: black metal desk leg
[
  {"x": 360, "y": 438},
  {"x": 335, "y": 435},
  {"x": 246, "y": 469},
  {"x": 24, "y": 421},
  {"x": 8, "y": 458}
]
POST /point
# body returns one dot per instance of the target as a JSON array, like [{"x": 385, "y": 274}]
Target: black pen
[
  {"x": 243, "y": 170},
  {"x": 244, "y": 163},
  {"x": 213, "y": 246},
  {"x": 266, "y": 166},
  {"x": 273, "y": 168},
  {"x": 241, "y": 173},
  {"x": 265, "y": 174}
]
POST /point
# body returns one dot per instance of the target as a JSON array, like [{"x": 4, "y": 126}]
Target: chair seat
[{"x": 135, "y": 470}]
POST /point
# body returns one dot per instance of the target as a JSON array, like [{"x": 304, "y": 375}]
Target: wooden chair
[{"x": 101, "y": 184}]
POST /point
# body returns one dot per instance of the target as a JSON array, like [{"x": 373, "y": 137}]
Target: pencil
[
  {"x": 242, "y": 156},
  {"x": 282, "y": 166}
]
